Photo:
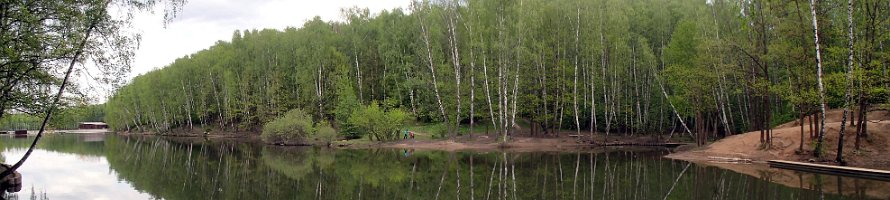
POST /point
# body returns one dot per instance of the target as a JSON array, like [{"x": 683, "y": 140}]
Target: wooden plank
[{"x": 857, "y": 172}]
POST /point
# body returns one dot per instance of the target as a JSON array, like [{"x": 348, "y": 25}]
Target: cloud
[
  {"x": 204, "y": 22},
  {"x": 80, "y": 177},
  {"x": 220, "y": 12}
]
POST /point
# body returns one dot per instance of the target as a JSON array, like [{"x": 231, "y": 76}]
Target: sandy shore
[{"x": 786, "y": 143}]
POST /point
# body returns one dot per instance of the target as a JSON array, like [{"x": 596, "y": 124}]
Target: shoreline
[
  {"x": 787, "y": 142},
  {"x": 477, "y": 143}
]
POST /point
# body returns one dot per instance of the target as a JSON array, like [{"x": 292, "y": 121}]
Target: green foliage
[
  {"x": 376, "y": 123},
  {"x": 438, "y": 130},
  {"x": 734, "y": 64},
  {"x": 292, "y": 128},
  {"x": 42, "y": 39},
  {"x": 70, "y": 118},
  {"x": 324, "y": 133},
  {"x": 347, "y": 103},
  {"x": 64, "y": 118},
  {"x": 20, "y": 121}
]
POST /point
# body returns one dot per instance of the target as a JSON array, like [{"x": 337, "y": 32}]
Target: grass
[
  {"x": 428, "y": 131},
  {"x": 421, "y": 132},
  {"x": 360, "y": 141}
]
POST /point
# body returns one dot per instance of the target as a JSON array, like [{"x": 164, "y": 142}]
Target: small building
[
  {"x": 93, "y": 125},
  {"x": 21, "y": 132}
]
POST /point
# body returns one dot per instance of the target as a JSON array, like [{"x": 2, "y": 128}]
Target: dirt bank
[{"x": 786, "y": 141}]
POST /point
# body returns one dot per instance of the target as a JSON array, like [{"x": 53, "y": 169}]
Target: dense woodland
[{"x": 706, "y": 69}]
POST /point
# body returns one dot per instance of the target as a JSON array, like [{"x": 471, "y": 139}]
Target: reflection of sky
[{"x": 70, "y": 176}]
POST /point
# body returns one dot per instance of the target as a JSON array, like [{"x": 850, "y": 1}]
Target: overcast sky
[{"x": 203, "y": 22}]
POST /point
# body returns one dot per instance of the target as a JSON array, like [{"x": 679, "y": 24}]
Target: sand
[{"x": 786, "y": 141}]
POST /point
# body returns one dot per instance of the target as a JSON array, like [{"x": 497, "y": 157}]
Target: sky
[{"x": 204, "y": 22}]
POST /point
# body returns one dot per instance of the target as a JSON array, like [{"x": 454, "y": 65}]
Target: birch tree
[{"x": 819, "y": 145}]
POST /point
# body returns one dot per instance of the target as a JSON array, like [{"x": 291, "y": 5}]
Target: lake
[{"x": 146, "y": 167}]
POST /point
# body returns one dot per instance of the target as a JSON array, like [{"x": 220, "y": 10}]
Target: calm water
[{"x": 120, "y": 167}]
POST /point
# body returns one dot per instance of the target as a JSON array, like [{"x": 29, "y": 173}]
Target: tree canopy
[{"x": 608, "y": 66}]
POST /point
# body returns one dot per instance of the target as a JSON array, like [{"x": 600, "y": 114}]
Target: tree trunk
[
  {"x": 55, "y": 103},
  {"x": 411, "y": 96},
  {"x": 429, "y": 54},
  {"x": 472, "y": 91},
  {"x": 488, "y": 90},
  {"x": 812, "y": 130},
  {"x": 800, "y": 149},
  {"x": 673, "y": 108},
  {"x": 575, "y": 78},
  {"x": 819, "y": 145},
  {"x": 847, "y": 96},
  {"x": 358, "y": 74},
  {"x": 188, "y": 110},
  {"x": 455, "y": 60}
]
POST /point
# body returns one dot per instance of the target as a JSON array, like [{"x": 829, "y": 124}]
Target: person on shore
[
  {"x": 405, "y": 134},
  {"x": 412, "y": 134}
]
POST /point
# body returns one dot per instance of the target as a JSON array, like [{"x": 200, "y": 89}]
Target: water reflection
[
  {"x": 57, "y": 175},
  {"x": 120, "y": 167}
]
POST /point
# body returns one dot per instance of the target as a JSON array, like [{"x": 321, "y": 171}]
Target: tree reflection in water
[{"x": 183, "y": 168}]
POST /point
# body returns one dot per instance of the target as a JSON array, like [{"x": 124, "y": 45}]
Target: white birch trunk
[
  {"x": 575, "y": 77},
  {"x": 847, "y": 96},
  {"x": 673, "y": 108},
  {"x": 455, "y": 59},
  {"x": 188, "y": 111},
  {"x": 818, "y": 78},
  {"x": 429, "y": 54},
  {"x": 358, "y": 74},
  {"x": 488, "y": 90}
]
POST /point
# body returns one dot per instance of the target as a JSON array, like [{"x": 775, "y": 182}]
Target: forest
[{"x": 706, "y": 69}]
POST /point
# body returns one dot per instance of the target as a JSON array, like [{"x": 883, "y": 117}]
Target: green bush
[
  {"x": 290, "y": 129},
  {"x": 324, "y": 133},
  {"x": 347, "y": 103},
  {"x": 377, "y": 123},
  {"x": 439, "y": 130}
]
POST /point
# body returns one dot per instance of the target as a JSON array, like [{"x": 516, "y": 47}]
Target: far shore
[
  {"x": 564, "y": 142},
  {"x": 741, "y": 148}
]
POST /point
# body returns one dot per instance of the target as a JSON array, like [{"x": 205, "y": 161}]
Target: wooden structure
[
  {"x": 92, "y": 125},
  {"x": 857, "y": 172},
  {"x": 21, "y": 132}
]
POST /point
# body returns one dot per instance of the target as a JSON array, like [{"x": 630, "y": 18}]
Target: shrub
[
  {"x": 439, "y": 130},
  {"x": 347, "y": 103},
  {"x": 377, "y": 123},
  {"x": 292, "y": 128},
  {"x": 324, "y": 133}
]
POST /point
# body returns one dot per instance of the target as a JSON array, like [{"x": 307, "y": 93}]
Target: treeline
[
  {"x": 707, "y": 68},
  {"x": 66, "y": 118}
]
